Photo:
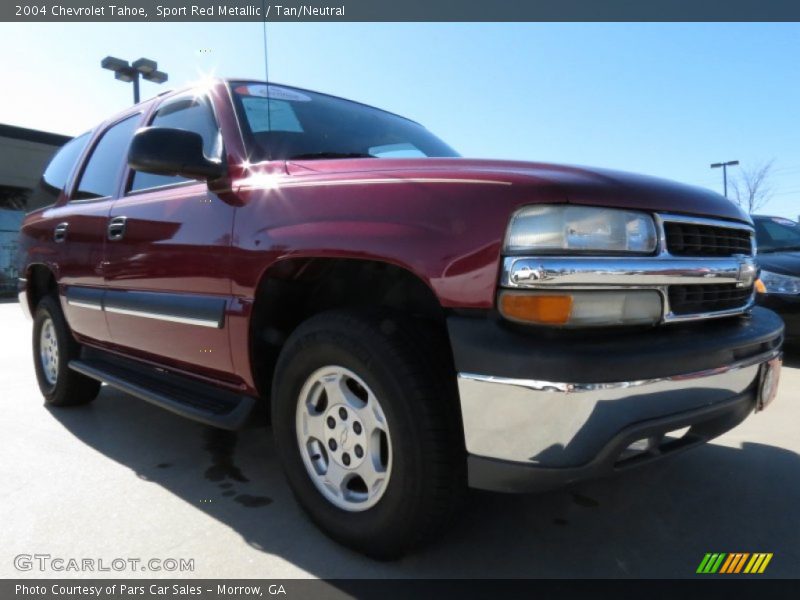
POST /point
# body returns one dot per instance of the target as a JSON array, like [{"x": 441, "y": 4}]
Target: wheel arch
[
  {"x": 40, "y": 282},
  {"x": 296, "y": 288}
]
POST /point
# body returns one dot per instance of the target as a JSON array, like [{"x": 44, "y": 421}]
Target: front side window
[
  {"x": 99, "y": 178},
  {"x": 283, "y": 123},
  {"x": 191, "y": 114}
]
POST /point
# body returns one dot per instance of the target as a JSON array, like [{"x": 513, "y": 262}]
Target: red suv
[{"x": 417, "y": 322}]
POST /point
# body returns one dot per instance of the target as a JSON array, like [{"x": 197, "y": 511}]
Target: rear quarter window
[{"x": 60, "y": 167}]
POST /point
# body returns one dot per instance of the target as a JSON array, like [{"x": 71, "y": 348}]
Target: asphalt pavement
[{"x": 122, "y": 479}]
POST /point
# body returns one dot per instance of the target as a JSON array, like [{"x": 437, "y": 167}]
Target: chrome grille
[
  {"x": 707, "y": 298},
  {"x": 694, "y": 239},
  {"x": 704, "y": 268},
  {"x": 716, "y": 240}
]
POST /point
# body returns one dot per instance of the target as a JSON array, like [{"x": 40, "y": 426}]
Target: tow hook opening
[
  {"x": 638, "y": 449},
  {"x": 652, "y": 446}
]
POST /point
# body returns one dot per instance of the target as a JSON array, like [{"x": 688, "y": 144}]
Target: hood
[
  {"x": 577, "y": 185},
  {"x": 784, "y": 263}
]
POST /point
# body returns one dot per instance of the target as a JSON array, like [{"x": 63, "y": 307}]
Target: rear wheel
[
  {"x": 53, "y": 348},
  {"x": 368, "y": 432}
]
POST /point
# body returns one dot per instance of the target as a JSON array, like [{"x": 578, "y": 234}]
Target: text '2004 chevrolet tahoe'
[{"x": 417, "y": 322}]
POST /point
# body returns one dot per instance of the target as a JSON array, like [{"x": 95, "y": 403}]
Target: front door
[{"x": 167, "y": 259}]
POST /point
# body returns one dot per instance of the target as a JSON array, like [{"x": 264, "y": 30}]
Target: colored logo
[{"x": 735, "y": 562}]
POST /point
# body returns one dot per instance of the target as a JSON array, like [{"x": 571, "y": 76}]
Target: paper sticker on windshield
[
  {"x": 281, "y": 115},
  {"x": 275, "y": 92},
  {"x": 782, "y": 221}
]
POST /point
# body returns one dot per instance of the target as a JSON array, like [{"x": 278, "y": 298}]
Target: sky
[{"x": 666, "y": 99}]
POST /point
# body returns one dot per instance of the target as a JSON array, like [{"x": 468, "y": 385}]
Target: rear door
[
  {"x": 167, "y": 258},
  {"x": 79, "y": 229}
]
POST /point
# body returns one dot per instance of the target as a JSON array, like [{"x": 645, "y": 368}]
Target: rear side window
[
  {"x": 99, "y": 178},
  {"x": 58, "y": 171},
  {"x": 192, "y": 114}
]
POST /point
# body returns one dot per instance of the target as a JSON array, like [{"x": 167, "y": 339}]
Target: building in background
[{"x": 24, "y": 154}]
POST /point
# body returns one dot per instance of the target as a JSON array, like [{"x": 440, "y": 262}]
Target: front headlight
[
  {"x": 775, "y": 283},
  {"x": 580, "y": 229}
]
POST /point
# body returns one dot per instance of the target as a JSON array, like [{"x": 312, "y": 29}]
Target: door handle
[
  {"x": 116, "y": 228},
  {"x": 60, "y": 232}
]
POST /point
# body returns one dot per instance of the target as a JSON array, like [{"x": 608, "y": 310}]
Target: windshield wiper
[{"x": 323, "y": 155}]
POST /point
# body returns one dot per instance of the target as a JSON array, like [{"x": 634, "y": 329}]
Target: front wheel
[
  {"x": 367, "y": 429},
  {"x": 53, "y": 348}
]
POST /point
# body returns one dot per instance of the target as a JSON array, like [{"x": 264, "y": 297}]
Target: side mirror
[{"x": 166, "y": 151}]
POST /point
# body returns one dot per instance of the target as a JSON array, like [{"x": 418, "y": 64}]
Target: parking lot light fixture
[
  {"x": 145, "y": 65},
  {"x": 124, "y": 71},
  {"x": 725, "y": 165},
  {"x": 123, "y": 76},
  {"x": 156, "y": 76},
  {"x": 114, "y": 64}
]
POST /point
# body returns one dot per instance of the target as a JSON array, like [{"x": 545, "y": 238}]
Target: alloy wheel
[
  {"x": 343, "y": 438},
  {"x": 48, "y": 351}
]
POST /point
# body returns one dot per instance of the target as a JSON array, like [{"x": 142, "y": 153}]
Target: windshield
[
  {"x": 774, "y": 234},
  {"x": 287, "y": 123}
]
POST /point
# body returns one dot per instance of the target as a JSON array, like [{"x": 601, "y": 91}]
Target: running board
[{"x": 178, "y": 394}]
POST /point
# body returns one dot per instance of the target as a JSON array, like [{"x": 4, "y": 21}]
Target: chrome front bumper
[{"x": 565, "y": 425}]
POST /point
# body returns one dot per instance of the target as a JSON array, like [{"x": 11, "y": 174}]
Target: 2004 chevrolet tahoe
[{"x": 417, "y": 322}]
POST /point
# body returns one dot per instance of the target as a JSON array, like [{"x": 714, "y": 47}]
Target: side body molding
[{"x": 189, "y": 309}]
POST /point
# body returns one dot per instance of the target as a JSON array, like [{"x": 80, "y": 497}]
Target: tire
[
  {"x": 387, "y": 361},
  {"x": 60, "y": 385}
]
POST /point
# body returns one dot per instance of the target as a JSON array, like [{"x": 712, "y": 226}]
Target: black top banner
[{"x": 399, "y": 10}]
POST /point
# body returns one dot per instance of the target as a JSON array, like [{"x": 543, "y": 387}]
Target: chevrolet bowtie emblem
[{"x": 747, "y": 274}]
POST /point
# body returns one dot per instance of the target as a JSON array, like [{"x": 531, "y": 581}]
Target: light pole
[
  {"x": 725, "y": 166},
  {"x": 124, "y": 72}
]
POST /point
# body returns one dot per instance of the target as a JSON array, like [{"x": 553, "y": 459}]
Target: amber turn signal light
[
  {"x": 541, "y": 309},
  {"x": 582, "y": 308},
  {"x": 760, "y": 287}
]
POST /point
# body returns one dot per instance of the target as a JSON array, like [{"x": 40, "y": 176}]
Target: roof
[{"x": 33, "y": 135}]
